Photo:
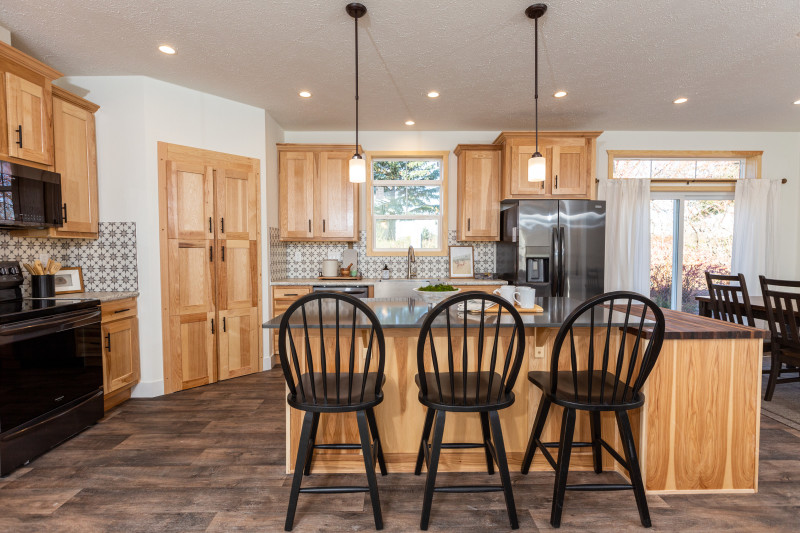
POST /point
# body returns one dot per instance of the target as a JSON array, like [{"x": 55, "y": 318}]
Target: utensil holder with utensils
[{"x": 43, "y": 286}]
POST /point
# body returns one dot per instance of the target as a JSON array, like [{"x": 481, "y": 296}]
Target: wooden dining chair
[
  {"x": 597, "y": 379},
  {"x": 782, "y": 301},
  {"x": 321, "y": 382},
  {"x": 474, "y": 374}
]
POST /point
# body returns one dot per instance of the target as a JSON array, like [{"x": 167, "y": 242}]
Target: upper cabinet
[
  {"x": 76, "y": 161},
  {"x": 26, "y": 111},
  {"x": 317, "y": 202},
  {"x": 570, "y": 164},
  {"x": 478, "y": 192}
]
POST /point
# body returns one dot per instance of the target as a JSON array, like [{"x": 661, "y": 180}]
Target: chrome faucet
[{"x": 411, "y": 272}]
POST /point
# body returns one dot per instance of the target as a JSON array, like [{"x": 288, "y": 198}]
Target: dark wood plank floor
[{"x": 212, "y": 459}]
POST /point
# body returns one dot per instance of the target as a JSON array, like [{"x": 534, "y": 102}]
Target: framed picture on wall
[
  {"x": 462, "y": 264},
  {"x": 69, "y": 280}
]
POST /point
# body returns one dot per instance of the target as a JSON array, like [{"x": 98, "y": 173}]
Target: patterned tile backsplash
[
  {"x": 108, "y": 263},
  {"x": 304, "y": 259}
]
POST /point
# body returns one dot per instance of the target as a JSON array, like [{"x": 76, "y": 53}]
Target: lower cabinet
[
  {"x": 120, "y": 330},
  {"x": 282, "y": 298}
]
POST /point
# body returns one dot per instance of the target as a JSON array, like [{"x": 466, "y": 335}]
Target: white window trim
[{"x": 443, "y": 157}]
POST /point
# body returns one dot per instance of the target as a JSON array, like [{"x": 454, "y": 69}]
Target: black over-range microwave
[{"x": 29, "y": 197}]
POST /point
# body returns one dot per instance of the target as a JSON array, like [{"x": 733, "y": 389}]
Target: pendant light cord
[
  {"x": 356, "y": 26},
  {"x": 535, "y": 76}
]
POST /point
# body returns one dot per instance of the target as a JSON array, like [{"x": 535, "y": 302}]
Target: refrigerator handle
[
  {"x": 554, "y": 249},
  {"x": 561, "y": 274}
]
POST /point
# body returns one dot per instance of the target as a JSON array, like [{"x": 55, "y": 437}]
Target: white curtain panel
[
  {"x": 627, "y": 234},
  {"x": 755, "y": 230}
]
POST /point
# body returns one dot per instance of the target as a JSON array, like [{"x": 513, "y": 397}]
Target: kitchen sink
[{"x": 400, "y": 288}]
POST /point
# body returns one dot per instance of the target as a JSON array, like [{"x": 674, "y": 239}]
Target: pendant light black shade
[
  {"x": 536, "y": 164},
  {"x": 358, "y": 170}
]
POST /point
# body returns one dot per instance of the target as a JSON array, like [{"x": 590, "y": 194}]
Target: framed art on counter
[
  {"x": 69, "y": 280},
  {"x": 462, "y": 263}
]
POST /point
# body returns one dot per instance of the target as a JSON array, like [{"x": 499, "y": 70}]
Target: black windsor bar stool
[
  {"x": 316, "y": 388},
  {"x": 782, "y": 301},
  {"x": 471, "y": 381},
  {"x": 598, "y": 382}
]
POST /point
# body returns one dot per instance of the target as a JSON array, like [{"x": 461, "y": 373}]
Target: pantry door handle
[
  {"x": 210, "y": 230},
  {"x": 212, "y": 326},
  {"x": 222, "y": 225},
  {"x": 224, "y": 325},
  {"x": 223, "y": 254},
  {"x": 210, "y": 254}
]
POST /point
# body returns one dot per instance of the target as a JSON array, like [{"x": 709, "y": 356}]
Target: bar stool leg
[
  {"x": 562, "y": 468},
  {"x": 633, "y": 462},
  {"x": 376, "y": 439},
  {"x": 536, "y": 433},
  {"x": 774, "y": 374},
  {"x": 430, "y": 481},
  {"x": 487, "y": 438},
  {"x": 310, "y": 455},
  {"x": 502, "y": 466},
  {"x": 423, "y": 444},
  {"x": 366, "y": 448},
  {"x": 299, "y": 465},
  {"x": 597, "y": 452}
]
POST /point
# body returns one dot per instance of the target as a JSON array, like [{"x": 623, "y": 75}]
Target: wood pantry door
[{"x": 211, "y": 270}]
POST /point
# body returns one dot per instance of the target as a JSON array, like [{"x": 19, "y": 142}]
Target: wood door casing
[
  {"x": 194, "y": 349},
  {"x": 336, "y": 198},
  {"x": 296, "y": 194},
  {"x": 76, "y": 161},
  {"x": 479, "y": 191},
  {"x": 237, "y": 283},
  {"x": 568, "y": 173},
  {"x": 121, "y": 354},
  {"x": 190, "y": 201},
  {"x": 27, "y": 108},
  {"x": 237, "y": 204},
  {"x": 191, "y": 277},
  {"x": 238, "y": 342}
]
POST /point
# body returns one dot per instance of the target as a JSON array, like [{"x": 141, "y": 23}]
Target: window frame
[
  {"x": 679, "y": 198},
  {"x": 751, "y": 168},
  {"x": 444, "y": 156}
]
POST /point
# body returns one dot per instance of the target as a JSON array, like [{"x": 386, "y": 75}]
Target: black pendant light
[
  {"x": 358, "y": 167},
  {"x": 536, "y": 164}
]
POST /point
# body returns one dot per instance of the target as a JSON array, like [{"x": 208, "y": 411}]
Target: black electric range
[{"x": 51, "y": 370}]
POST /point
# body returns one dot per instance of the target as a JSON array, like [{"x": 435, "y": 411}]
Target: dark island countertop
[{"x": 410, "y": 313}]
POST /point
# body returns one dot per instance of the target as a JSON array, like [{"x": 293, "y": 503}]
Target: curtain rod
[{"x": 783, "y": 181}]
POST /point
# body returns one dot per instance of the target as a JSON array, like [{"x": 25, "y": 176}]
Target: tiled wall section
[
  {"x": 108, "y": 263},
  {"x": 284, "y": 262}
]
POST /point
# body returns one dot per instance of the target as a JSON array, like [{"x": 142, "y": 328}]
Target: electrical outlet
[{"x": 538, "y": 352}]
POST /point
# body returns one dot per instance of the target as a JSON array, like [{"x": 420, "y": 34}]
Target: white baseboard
[
  {"x": 148, "y": 389},
  {"x": 270, "y": 361}
]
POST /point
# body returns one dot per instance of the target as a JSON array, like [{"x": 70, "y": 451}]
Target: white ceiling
[{"x": 622, "y": 62}]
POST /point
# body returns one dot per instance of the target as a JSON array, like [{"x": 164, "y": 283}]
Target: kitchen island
[{"x": 697, "y": 432}]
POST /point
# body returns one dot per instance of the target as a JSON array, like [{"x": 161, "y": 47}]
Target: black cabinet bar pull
[
  {"x": 469, "y": 224},
  {"x": 224, "y": 325},
  {"x": 211, "y": 254},
  {"x": 556, "y": 181},
  {"x": 323, "y": 225},
  {"x": 223, "y": 254},
  {"x": 212, "y": 326},
  {"x": 19, "y": 136},
  {"x": 222, "y": 224},
  {"x": 122, "y": 310},
  {"x": 108, "y": 342},
  {"x": 309, "y": 225},
  {"x": 209, "y": 225},
  {"x": 64, "y": 208}
]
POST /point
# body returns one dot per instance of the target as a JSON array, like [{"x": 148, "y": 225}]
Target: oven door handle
[{"x": 52, "y": 324}]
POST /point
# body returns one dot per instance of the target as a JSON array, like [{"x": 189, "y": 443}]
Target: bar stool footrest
[
  {"x": 600, "y": 486},
  {"x": 469, "y": 488},
  {"x": 332, "y": 490}
]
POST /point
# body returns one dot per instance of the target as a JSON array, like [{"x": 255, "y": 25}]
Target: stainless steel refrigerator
[{"x": 554, "y": 246}]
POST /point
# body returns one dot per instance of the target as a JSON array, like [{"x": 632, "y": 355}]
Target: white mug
[
  {"x": 527, "y": 297},
  {"x": 506, "y": 292}
]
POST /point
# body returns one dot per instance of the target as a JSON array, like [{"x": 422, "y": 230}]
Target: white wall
[
  {"x": 781, "y": 160},
  {"x": 135, "y": 113}
]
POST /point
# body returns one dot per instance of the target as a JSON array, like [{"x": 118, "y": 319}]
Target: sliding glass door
[{"x": 690, "y": 233}]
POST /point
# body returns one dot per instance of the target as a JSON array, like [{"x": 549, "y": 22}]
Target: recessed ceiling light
[
  {"x": 305, "y": 94},
  {"x": 560, "y": 94},
  {"x": 166, "y": 49},
  {"x": 433, "y": 94},
  {"x": 410, "y": 122},
  {"x": 797, "y": 102},
  {"x": 680, "y": 100}
]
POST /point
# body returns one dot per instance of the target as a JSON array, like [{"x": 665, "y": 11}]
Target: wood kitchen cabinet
[
  {"x": 478, "y": 192},
  {"x": 282, "y": 298},
  {"x": 570, "y": 164},
  {"x": 120, "y": 330},
  {"x": 317, "y": 202},
  {"x": 211, "y": 266}
]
